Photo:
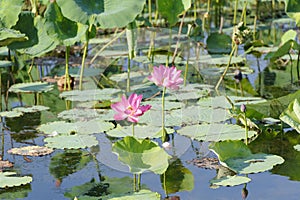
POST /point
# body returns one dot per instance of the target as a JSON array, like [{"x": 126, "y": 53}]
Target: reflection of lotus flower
[
  {"x": 168, "y": 77},
  {"x": 130, "y": 108}
]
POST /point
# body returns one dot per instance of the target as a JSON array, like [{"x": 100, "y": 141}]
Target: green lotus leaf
[
  {"x": 135, "y": 77},
  {"x": 9, "y": 12},
  {"x": 8, "y": 36},
  {"x": 215, "y": 132},
  {"x": 169, "y": 105},
  {"x": 154, "y": 118},
  {"x": 30, "y": 87},
  {"x": 31, "y": 109},
  {"x": 219, "y": 43},
  {"x": 178, "y": 178},
  {"x": 171, "y": 9},
  {"x": 141, "y": 155},
  {"x": 219, "y": 60},
  {"x": 140, "y": 195},
  {"x": 230, "y": 180},
  {"x": 82, "y": 114},
  {"x": 8, "y": 179},
  {"x": 62, "y": 29},
  {"x": 292, "y": 8},
  {"x": 25, "y": 25},
  {"x": 222, "y": 101},
  {"x": 45, "y": 42},
  {"x": 11, "y": 114},
  {"x": 71, "y": 141},
  {"x": 83, "y": 128},
  {"x": 297, "y": 147},
  {"x": 289, "y": 35},
  {"x": 31, "y": 151},
  {"x": 140, "y": 131},
  {"x": 90, "y": 95},
  {"x": 291, "y": 115},
  {"x": 107, "y": 13},
  {"x": 237, "y": 156}
]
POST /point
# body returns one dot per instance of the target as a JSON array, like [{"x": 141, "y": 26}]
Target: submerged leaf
[
  {"x": 31, "y": 151},
  {"x": 8, "y": 179}
]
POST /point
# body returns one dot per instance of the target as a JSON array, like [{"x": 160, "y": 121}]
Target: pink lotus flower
[
  {"x": 130, "y": 108},
  {"x": 168, "y": 77}
]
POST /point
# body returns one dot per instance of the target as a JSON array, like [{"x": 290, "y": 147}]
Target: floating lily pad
[
  {"x": 31, "y": 109},
  {"x": 291, "y": 115},
  {"x": 215, "y": 132},
  {"x": 139, "y": 131},
  {"x": 230, "y": 180},
  {"x": 81, "y": 114},
  {"x": 5, "y": 63},
  {"x": 140, "y": 195},
  {"x": 90, "y": 95},
  {"x": 71, "y": 141},
  {"x": 8, "y": 179},
  {"x": 237, "y": 156},
  {"x": 11, "y": 114},
  {"x": 141, "y": 155},
  {"x": 135, "y": 77},
  {"x": 219, "y": 60},
  {"x": 30, "y": 87},
  {"x": 31, "y": 151},
  {"x": 297, "y": 147},
  {"x": 169, "y": 105},
  {"x": 86, "y": 127},
  {"x": 154, "y": 118}
]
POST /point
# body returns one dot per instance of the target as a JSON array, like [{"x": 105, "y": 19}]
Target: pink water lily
[
  {"x": 168, "y": 77},
  {"x": 130, "y": 108}
]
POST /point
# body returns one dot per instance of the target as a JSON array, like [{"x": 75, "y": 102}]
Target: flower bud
[
  {"x": 243, "y": 108},
  {"x": 244, "y": 193}
]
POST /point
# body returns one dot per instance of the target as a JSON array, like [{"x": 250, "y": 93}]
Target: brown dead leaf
[{"x": 31, "y": 151}]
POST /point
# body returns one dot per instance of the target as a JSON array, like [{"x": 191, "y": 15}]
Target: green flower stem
[
  {"x": 67, "y": 77},
  {"x": 0, "y": 91},
  {"x": 128, "y": 76},
  {"x": 246, "y": 128},
  {"x": 227, "y": 67},
  {"x": 132, "y": 129},
  {"x": 163, "y": 114},
  {"x": 134, "y": 182},
  {"x": 150, "y": 11},
  {"x": 165, "y": 184},
  {"x": 235, "y": 11},
  {"x": 139, "y": 182}
]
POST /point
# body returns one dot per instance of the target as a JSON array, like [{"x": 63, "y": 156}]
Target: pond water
[{"x": 55, "y": 175}]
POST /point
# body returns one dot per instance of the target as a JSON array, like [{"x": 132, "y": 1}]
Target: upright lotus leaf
[
  {"x": 107, "y": 13},
  {"x": 45, "y": 42},
  {"x": 71, "y": 141},
  {"x": 25, "y": 25},
  {"x": 237, "y": 156},
  {"x": 8, "y": 179},
  {"x": 64, "y": 30},
  {"x": 291, "y": 115},
  {"x": 289, "y": 35},
  {"x": 9, "y": 12},
  {"x": 281, "y": 51},
  {"x": 141, "y": 155},
  {"x": 292, "y": 8},
  {"x": 177, "y": 178},
  {"x": 171, "y": 9},
  {"x": 8, "y": 36},
  {"x": 215, "y": 132},
  {"x": 30, "y": 87},
  {"x": 219, "y": 43}
]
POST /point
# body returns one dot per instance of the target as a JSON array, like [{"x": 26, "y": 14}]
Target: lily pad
[
  {"x": 8, "y": 179},
  {"x": 140, "y": 195},
  {"x": 11, "y": 114},
  {"x": 90, "y": 95},
  {"x": 230, "y": 180},
  {"x": 31, "y": 151},
  {"x": 237, "y": 156},
  {"x": 5, "y": 63},
  {"x": 31, "y": 109},
  {"x": 141, "y": 155},
  {"x": 85, "y": 127},
  {"x": 219, "y": 60},
  {"x": 297, "y": 147},
  {"x": 5, "y": 164},
  {"x": 81, "y": 114},
  {"x": 291, "y": 115},
  {"x": 71, "y": 141},
  {"x": 215, "y": 132},
  {"x": 30, "y": 87},
  {"x": 139, "y": 131}
]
